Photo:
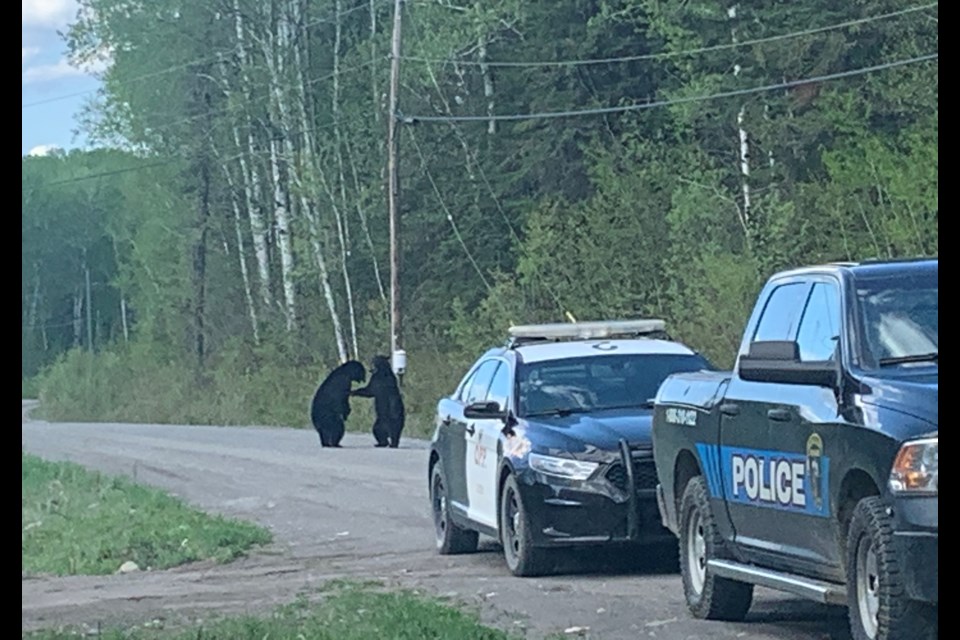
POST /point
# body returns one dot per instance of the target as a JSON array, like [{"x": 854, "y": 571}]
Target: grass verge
[
  {"x": 134, "y": 385},
  {"x": 76, "y": 521},
  {"x": 348, "y": 612}
]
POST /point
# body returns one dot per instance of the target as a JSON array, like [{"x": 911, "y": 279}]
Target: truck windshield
[
  {"x": 579, "y": 385},
  {"x": 899, "y": 315}
]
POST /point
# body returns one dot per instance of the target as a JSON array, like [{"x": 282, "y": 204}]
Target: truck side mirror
[{"x": 779, "y": 361}]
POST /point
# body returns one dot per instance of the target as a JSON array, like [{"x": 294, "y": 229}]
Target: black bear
[
  {"x": 387, "y": 402},
  {"x": 331, "y": 402}
]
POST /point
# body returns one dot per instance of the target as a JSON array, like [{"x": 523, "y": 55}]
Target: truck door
[
  {"x": 782, "y": 481},
  {"x": 745, "y": 455}
]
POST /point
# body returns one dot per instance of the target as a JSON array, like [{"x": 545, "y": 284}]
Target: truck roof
[{"x": 868, "y": 268}]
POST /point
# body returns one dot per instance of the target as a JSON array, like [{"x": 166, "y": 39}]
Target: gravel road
[{"x": 361, "y": 513}]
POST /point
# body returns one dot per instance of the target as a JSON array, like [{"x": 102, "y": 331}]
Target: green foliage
[
  {"x": 80, "y": 522},
  {"x": 646, "y": 213},
  {"x": 348, "y": 611}
]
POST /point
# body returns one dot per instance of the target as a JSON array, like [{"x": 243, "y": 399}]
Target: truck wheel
[
  {"x": 450, "y": 538},
  {"x": 523, "y": 559},
  {"x": 878, "y": 604},
  {"x": 708, "y": 596}
]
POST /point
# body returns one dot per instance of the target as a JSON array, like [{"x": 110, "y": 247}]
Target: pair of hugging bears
[{"x": 331, "y": 402}]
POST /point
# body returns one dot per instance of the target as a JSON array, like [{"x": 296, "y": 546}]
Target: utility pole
[
  {"x": 86, "y": 274},
  {"x": 393, "y": 189}
]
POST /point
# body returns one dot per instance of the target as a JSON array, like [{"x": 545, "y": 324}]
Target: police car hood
[
  {"x": 915, "y": 395},
  {"x": 588, "y": 435}
]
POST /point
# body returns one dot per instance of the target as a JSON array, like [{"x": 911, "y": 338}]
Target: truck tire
[
  {"x": 523, "y": 559},
  {"x": 878, "y": 604},
  {"x": 708, "y": 596},
  {"x": 450, "y": 538}
]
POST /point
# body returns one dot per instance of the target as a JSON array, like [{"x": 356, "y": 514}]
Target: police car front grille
[{"x": 644, "y": 474}]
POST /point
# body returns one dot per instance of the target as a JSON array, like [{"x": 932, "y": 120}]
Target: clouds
[
  {"x": 27, "y": 52},
  {"x": 59, "y": 70},
  {"x": 47, "y": 13},
  {"x": 43, "y": 150}
]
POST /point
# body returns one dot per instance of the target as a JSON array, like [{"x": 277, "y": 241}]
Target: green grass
[
  {"x": 347, "y": 612},
  {"x": 76, "y": 521}
]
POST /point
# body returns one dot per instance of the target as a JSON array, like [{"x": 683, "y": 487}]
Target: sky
[{"x": 48, "y": 77}]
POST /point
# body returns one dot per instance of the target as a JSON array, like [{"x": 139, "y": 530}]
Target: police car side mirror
[
  {"x": 484, "y": 411},
  {"x": 779, "y": 361}
]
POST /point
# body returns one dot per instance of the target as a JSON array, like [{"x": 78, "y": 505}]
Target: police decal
[{"x": 778, "y": 479}]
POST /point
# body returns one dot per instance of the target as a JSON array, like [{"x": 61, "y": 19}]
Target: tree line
[{"x": 234, "y": 213}]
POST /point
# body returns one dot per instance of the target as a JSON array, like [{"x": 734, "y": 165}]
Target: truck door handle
[
  {"x": 779, "y": 415},
  {"x": 471, "y": 429},
  {"x": 730, "y": 409}
]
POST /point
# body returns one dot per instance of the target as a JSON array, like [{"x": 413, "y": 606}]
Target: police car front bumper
[
  {"x": 915, "y": 535},
  {"x": 595, "y": 511}
]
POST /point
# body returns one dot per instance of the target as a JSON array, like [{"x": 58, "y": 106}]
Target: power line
[
  {"x": 185, "y": 65},
  {"x": 446, "y": 210},
  {"x": 671, "y": 54},
  {"x": 546, "y": 115},
  {"x": 175, "y": 158}
]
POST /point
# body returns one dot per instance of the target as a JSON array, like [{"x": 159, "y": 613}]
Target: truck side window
[
  {"x": 781, "y": 315},
  {"x": 820, "y": 328}
]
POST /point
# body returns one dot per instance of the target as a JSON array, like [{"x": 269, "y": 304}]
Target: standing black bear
[
  {"x": 387, "y": 402},
  {"x": 331, "y": 402}
]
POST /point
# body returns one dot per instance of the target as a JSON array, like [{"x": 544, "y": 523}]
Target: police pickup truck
[{"x": 812, "y": 467}]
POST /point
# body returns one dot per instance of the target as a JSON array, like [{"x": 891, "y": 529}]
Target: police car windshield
[
  {"x": 899, "y": 315},
  {"x": 596, "y": 383}
]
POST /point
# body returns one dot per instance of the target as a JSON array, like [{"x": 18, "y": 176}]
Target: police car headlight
[
  {"x": 562, "y": 467},
  {"x": 916, "y": 468}
]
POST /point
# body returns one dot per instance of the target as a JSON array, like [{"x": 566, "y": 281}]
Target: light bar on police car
[{"x": 587, "y": 330}]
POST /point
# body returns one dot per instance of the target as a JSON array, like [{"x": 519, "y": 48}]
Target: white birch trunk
[
  {"x": 241, "y": 248},
  {"x": 283, "y": 38},
  {"x": 343, "y": 229},
  {"x": 363, "y": 222},
  {"x": 251, "y": 177},
  {"x": 742, "y": 134},
  {"x": 273, "y": 57},
  {"x": 123, "y": 319},
  {"x": 77, "y": 317},
  {"x": 487, "y": 85}
]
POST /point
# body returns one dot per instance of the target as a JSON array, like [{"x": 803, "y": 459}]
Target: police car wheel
[
  {"x": 878, "y": 604},
  {"x": 708, "y": 596},
  {"x": 523, "y": 559},
  {"x": 450, "y": 538}
]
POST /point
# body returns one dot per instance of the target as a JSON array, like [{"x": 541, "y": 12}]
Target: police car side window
[
  {"x": 500, "y": 386},
  {"x": 820, "y": 328},
  {"x": 481, "y": 382},
  {"x": 464, "y": 388},
  {"x": 781, "y": 314}
]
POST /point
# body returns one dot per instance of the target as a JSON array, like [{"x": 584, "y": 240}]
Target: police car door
[
  {"x": 482, "y": 467},
  {"x": 475, "y": 463}
]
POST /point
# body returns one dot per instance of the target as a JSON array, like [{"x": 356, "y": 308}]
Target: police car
[{"x": 545, "y": 443}]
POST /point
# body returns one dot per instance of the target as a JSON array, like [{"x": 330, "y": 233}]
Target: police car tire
[
  {"x": 898, "y": 617},
  {"x": 454, "y": 539},
  {"x": 528, "y": 560},
  {"x": 720, "y": 598}
]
